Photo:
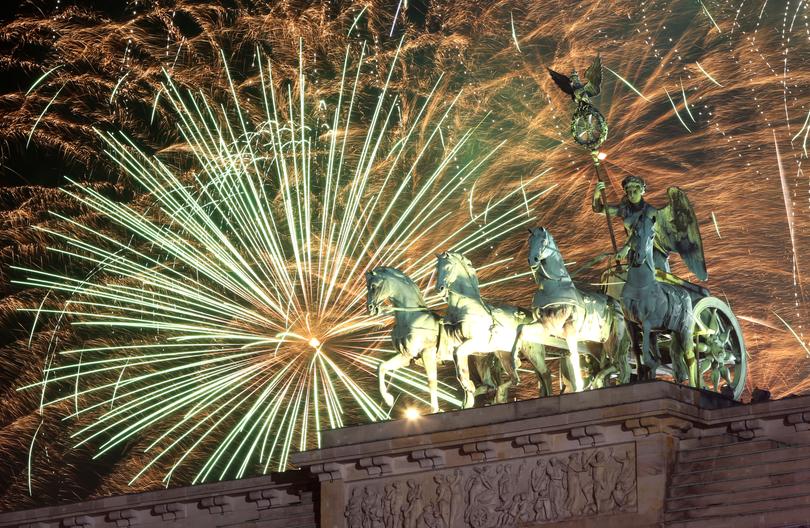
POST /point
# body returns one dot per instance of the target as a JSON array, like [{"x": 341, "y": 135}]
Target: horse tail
[
  {"x": 441, "y": 341},
  {"x": 610, "y": 326}
]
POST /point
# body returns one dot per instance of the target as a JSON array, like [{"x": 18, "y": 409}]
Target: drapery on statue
[{"x": 676, "y": 226}]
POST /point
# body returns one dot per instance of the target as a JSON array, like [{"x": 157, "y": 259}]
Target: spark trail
[
  {"x": 232, "y": 302},
  {"x": 742, "y": 84}
]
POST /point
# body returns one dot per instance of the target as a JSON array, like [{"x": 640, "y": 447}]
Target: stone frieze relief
[{"x": 500, "y": 494}]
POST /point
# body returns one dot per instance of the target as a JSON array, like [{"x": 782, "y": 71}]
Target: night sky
[{"x": 712, "y": 97}]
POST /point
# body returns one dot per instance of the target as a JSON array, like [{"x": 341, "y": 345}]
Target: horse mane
[
  {"x": 397, "y": 274},
  {"x": 470, "y": 270}
]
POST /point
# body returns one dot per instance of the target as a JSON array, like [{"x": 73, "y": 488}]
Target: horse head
[
  {"x": 378, "y": 290},
  {"x": 449, "y": 268},
  {"x": 541, "y": 246},
  {"x": 385, "y": 284},
  {"x": 641, "y": 241}
]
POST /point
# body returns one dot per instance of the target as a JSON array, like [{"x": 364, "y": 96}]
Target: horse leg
[
  {"x": 517, "y": 347},
  {"x": 504, "y": 358},
  {"x": 488, "y": 372},
  {"x": 531, "y": 346},
  {"x": 544, "y": 378},
  {"x": 572, "y": 340},
  {"x": 634, "y": 332},
  {"x": 646, "y": 349},
  {"x": 536, "y": 354},
  {"x": 678, "y": 361},
  {"x": 566, "y": 385},
  {"x": 611, "y": 356},
  {"x": 592, "y": 366},
  {"x": 688, "y": 347},
  {"x": 461, "y": 356},
  {"x": 621, "y": 353},
  {"x": 526, "y": 335},
  {"x": 395, "y": 363},
  {"x": 429, "y": 361}
]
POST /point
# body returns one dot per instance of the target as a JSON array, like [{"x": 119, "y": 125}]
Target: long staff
[{"x": 602, "y": 177}]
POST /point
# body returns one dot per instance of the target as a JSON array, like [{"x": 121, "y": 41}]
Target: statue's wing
[
  {"x": 562, "y": 81},
  {"x": 677, "y": 230},
  {"x": 594, "y": 77}
]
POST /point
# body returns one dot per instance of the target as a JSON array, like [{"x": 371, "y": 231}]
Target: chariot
[{"x": 716, "y": 332}]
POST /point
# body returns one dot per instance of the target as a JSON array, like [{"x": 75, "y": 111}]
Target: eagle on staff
[{"x": 588, "y": 125}]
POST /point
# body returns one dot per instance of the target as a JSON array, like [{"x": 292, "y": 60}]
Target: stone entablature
[
  {"x": 642, "y": 455},
  {"x": 599, "y": 458},
  {"x": 273, "y": 501}
]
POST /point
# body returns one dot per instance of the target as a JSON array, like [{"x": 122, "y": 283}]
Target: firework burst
[
  {"x": 229, "y": 306},
  {"x": 733, "y": 73}
]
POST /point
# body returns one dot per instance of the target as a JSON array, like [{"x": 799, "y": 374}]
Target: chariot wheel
[
  {"x": 479, "y": 516},
  {"x": 719, "y": 347}
]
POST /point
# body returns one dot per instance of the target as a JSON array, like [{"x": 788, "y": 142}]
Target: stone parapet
[{"x": 275, "y": 501}]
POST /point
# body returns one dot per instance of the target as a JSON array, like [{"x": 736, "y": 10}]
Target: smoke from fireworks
[{"x": 704, "y": 95}]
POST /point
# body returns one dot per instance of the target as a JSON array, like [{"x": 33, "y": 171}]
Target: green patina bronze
[{"x": 588, "y": 126}]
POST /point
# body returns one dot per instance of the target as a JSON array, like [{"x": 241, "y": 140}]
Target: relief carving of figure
[
  {"x": 586, "y": 482},
  {"x": 605, "y": 473},
  {"x": 507, "y": 483},
  {"x": 456, "y": 495},
  {"x": 524, "y": 508},
  {"x": 482, "y": 497},
  {"x": 372, "y": 509},
  {"x": 443, "y": 499},
  {"x": 519, "y": 508},
  {"x": 392, "y": 505},
  {"x": 507, "y": 495},
  {"x": 540, "y": 483},
  {"x": 624, "y": 494},
  {"x": 354, "y": 509},
  {"x": 577, "y": 501},
  {"x": 431, "y": 518},
  {"x": 558, "y": 488},
  {"x": 413, "y": 507}
]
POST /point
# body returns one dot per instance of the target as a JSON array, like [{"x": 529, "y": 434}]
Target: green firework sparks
[{"x": 232, "y": 304}]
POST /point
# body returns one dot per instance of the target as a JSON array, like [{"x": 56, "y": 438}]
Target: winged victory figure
[
  {"x": 676, "y": 226},
  {"x": 677, "y": 231}
]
